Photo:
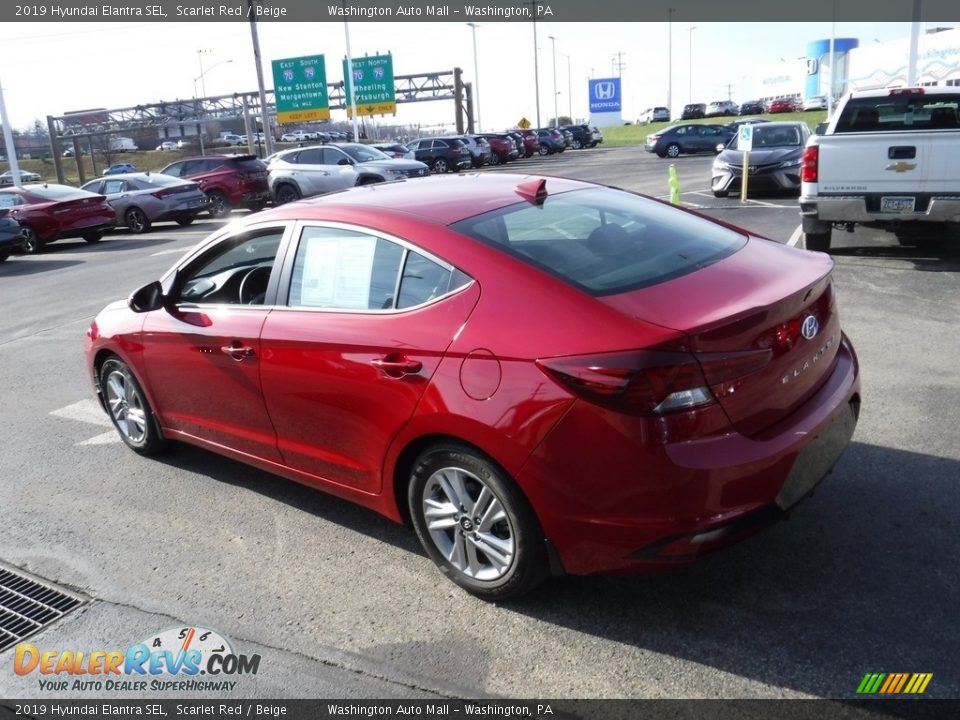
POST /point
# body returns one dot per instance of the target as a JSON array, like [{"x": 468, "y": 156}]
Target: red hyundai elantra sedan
[{"x": 540, "y": 375}]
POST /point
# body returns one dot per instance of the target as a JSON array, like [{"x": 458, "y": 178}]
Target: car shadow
[
  {"x": 864, "y": 577},
  {"x": 15, "y": 266},
  {"x": 934, "y": 256}
]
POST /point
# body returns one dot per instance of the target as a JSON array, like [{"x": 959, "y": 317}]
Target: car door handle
[
  {"x": 902, "y": 152},
  {"x": 238, "y": 351},
  {"x": 397, "y": 366}
]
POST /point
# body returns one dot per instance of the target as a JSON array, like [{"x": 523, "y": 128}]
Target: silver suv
[{"x": 318, "y": 169}]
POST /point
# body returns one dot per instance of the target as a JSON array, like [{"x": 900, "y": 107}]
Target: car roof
[{"x": 435, "y": 199}]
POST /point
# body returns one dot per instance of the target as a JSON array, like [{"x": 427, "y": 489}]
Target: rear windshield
[
  {"x": 604, "y": 241},
  {"x": 250, "y": 164},
  {"x": 58, "y": 192},
  {"x": 899, "y": 112}
]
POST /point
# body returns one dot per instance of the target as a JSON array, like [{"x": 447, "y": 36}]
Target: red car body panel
[{"x": 613, "y": 491}]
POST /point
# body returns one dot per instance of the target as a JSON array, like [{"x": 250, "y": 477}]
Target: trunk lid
[{"x": 759, "y": 299}]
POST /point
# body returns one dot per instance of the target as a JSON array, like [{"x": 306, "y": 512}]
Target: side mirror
[
  {"x": 147, "y": 298},
  {"x": 821, "y": 128},
  {"x": 719, "y": 148},
  {"x": 344, "y": 161}
]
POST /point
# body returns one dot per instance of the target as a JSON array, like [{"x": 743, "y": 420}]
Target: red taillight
[
  {"x": 648, "y": 382},
  {"x": 811, "y": 159},
  {"x": 653, "y": 138},
  {"x": 160, "y": 194},
  {"x": 655, "y": 382},
  {"x": 906, "y": 91}
]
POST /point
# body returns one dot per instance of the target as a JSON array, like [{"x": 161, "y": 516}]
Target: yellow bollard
[{"x": 674, "y": 183}]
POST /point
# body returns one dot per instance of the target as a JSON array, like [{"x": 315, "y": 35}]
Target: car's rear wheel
[
  {"x": 721, "y": 193},
  {"x": 475, "y": 524},
  {"x": 94, "y": 236},
  {"x": 218, "y": 204},
  {"x": 185, "y": 219},
  {"x": 31, "y": 243},
  {"x": 544, "y": 150},
  {"x": 4, "y": 254},
  {"x": 495, "y": 159},
  {"x": 440, "y": 166},
  {"x": 673, "y": 150},
  {"x": 128, "y": 408},
  {"x": 817, "y": 241},
  {"x": 286, "y": 193},
  {"x": 137, "y": 220},
  {"x": 577, "y": 145}
]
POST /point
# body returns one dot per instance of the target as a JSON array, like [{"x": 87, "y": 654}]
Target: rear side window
[
  {"x": 900, "y": 112},
  {"x": 604, "y": 241},
  {"x": 249, "y": 164}
]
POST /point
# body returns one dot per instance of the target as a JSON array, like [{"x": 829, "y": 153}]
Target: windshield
[
  {"x": 364, "y": 153},
  {"x": 769, "y": 137}
]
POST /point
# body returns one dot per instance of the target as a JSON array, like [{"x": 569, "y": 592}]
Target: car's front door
[
  {"x": 366, "y": 323},
  {"x": 202, "y": 353}
]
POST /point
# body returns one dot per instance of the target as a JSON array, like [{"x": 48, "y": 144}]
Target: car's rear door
[{"x": 366, "y": 322}]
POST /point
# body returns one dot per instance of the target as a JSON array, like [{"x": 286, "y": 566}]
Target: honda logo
[{"x": 604, "y": 90}]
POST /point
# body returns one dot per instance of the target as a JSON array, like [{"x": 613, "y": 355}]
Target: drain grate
[{"x": 28, "y": 604}]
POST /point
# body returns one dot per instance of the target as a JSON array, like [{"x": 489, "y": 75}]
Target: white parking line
[
  {"x": 89, "y": 411},
  {"x": 797, "y": 238}
]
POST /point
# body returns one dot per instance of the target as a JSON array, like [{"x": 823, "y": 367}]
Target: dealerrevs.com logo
[{"x": 188, "y": 659}]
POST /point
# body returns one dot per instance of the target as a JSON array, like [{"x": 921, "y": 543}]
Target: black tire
[
  {"x": 31, "y": 243},
  {"x": 286, "y": 193},
  {"x": 528, "y": 154},
  {"x": 721, "y": 193},
  {"x": 495, "y": 159},
  {"x": 577, "y": 145},
  {"x": 518, "y": 540},
  {"x": 817, "y": 241},
  {"x": 544, "y": 150},
  {"x": 673, "y": 150},
  {"x": 370, "y": 181},
  {"x": 136, "y": 220},
  {"x": 4, "y": 254},
  {"x": 185, "y": 219},
  {"x": 440, "y": 166},
  {"x": 129, "y": 409},
  {"x": 661, "y": 153},
  {"x": 218, "y": 204},
  {"x": 256, "y": 206},
  {"x": 94, "y": 236}
]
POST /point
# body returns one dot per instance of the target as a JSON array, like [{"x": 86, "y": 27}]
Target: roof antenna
[{"x": 534, "y": 190}]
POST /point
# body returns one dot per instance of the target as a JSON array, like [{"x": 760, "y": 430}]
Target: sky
[{"x": 54, "y": 68}]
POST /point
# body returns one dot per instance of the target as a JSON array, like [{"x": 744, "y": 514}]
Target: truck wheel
[{"x": 818, "y": 241}]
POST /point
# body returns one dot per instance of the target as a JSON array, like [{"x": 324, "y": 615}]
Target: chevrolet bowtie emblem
[{"x": 901, "y": 166}]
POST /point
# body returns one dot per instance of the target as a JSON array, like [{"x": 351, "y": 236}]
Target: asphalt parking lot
[{"x": 865, "y": 577}]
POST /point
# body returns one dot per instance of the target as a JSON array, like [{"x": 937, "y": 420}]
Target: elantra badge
[{"x": 810, "y": 327}]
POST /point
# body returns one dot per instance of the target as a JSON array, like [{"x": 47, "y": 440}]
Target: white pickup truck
[{"x": 888, "y": 158}]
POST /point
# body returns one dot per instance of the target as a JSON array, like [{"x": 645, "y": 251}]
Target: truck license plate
[{"x": 897, "y": 204}]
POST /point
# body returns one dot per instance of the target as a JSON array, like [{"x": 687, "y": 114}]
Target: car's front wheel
[
  {"x": 286, "y": 193},
  {"x": 128, "y": 408},
  {"x": 721, "y": 193},
  {"x": 475, "y": 524},
  {"x": 4, "y": 254},
  {"x": 93, "y": 236},
  {"x": 185, "y": 219}
]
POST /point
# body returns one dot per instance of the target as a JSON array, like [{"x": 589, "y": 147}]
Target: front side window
[{"x": 235, "y": 272}]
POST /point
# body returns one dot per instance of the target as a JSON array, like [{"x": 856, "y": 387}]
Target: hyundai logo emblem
[
  {"x": 604, "y": 90},
  {"x": 810, "y": 327}
]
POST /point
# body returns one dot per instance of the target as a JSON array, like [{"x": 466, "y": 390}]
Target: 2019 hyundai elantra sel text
[{"x": 540, "y": 375}]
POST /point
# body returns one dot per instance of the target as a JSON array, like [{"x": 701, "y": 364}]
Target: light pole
[
  {"x": 670, "y": 12},
  {"x": 476, "y": 75},
  {"x": 690, "y": 88},
  {"x": 201, "y": 76},
  {"x": 569, "y": 86},
  {"x": 556, "y": 102},
  {"x": 536, "y": 69}
]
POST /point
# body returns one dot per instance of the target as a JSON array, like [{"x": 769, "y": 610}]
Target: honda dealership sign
[
  {"x": 605, "y": 102},
  {"x": 605, "y": 95}
]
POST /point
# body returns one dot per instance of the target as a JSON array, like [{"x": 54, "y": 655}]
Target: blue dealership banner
[{"x": 605, "y": 95}]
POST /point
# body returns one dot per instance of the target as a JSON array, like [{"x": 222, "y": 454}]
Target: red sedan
[
  {"x": 782, "y": 105},
  {"x": 49, "y": 212},
  {"x": 540, "y": 375}
]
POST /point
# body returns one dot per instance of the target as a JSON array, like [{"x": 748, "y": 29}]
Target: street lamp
[
  {"x": 536, "y": 68},
  {"x": 569, "y": 86},
  {"x": 203, "y": 73},
  {"x": 476, "y": 74},
  {"x": 670, "y": 12},
  {"x": 690, "y": 89},
  {"x": 556, "y": 102}
]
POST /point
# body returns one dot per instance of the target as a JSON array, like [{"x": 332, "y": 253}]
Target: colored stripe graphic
[{"x": 894, "y": 683}]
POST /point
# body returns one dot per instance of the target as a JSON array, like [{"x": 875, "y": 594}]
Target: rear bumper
[
  {"x": 635, "y": 503},
  {"x": 856, "y": 209}
]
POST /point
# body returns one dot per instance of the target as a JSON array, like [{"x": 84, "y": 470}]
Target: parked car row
[{"x": 694, "y": 111}]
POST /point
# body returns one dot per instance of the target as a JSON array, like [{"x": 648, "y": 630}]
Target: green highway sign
[
  {"x": 300, "y": 89},
  {"x": 373, "y": 82}
]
